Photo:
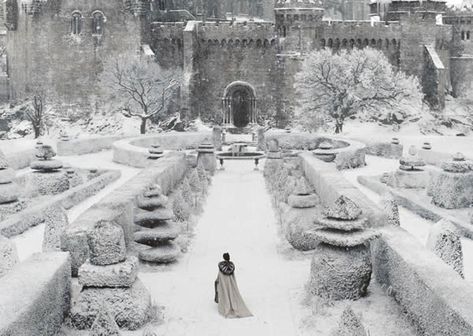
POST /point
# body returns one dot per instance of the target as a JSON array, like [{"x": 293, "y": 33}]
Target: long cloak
[{"x": 230, "y": 302}]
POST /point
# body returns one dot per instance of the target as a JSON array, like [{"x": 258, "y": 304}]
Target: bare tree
[
  {"x": 35, "y": 113},
  {"x": 340, "y": 85},
  {"x": 139, "y": 87}
]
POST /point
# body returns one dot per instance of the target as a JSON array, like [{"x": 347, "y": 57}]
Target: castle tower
[{"x": 295, "y": 22}]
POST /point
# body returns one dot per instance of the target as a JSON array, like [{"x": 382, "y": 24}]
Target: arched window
[
  {"x": 76, "y": 23},
  {"x": 98, "y": 22}
]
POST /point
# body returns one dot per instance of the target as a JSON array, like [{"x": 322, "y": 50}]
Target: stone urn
[
  {"x": 48, "y": 177},
  {"x": 410, "y": 173},
  {"x": 274, "y": 151},
  {"x": 155, "y": 152},
  {"x": 206, "y": 157},
  {"x": 341, "y": 264},
  {"x": 325, "y": 152}
]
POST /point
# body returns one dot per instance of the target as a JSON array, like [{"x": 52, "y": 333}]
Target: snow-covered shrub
[
  {"x": 187, "y": 191},
  {"x": 180, "y": 207}
]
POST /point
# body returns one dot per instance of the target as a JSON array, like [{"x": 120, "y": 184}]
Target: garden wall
[
  {"x": 86, "y": 145},
  {"x": 38, "y": 214},
  {"x": 134, "y": 152},
  {"x": 349, "y": 153},
  {"x": 119, "y": 206},
  {"x": 432, "y": 294},
  {"x": 330, "y": 184},
  {"x": 36, "y": 295}
]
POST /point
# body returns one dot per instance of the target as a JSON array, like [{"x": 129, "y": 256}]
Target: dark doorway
[{"x": 241, "y": 106}]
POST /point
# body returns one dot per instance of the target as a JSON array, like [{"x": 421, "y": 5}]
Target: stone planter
[
  {"x": 206, "y": 156},
  {"x": 340, "y": 273}
]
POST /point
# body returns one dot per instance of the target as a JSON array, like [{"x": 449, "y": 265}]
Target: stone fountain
[{"x": 341, "y": 265}]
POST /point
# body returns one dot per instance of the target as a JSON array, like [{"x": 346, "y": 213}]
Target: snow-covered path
[{"x": 238, "y": 218}]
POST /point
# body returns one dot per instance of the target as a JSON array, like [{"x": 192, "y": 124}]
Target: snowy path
[
  {"x": 238, "y": 219},
  {"x": 31, "y": 241}
]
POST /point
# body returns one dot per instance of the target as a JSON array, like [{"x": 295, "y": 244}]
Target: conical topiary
[
  {"x": 349, "y": 325},
  {"x": 104, "y": 325},
  {"x": 180, "y": 207}
]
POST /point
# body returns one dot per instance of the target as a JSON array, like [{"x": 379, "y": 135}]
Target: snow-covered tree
[
  {"x": 350, "y": 82},
  {"x": 139, "y": 87}
]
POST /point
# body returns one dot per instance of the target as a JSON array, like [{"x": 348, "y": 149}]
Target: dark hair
[{"x": 226, "y": 257}]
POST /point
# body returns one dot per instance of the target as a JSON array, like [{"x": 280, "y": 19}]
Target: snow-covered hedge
[
  {"x": 120, "y": 205},
  {"x": 330, "y": 184},
  {"x": 436, "y": 299},
  {"x": 35, "y": 215},
  {"x": 36, "y": 295}
]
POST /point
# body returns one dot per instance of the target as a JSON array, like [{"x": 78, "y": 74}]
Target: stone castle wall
[{"x": 44, "y": 52}]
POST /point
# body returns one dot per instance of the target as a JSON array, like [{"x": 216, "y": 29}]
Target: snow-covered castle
[{"x": 239, "y": 56}]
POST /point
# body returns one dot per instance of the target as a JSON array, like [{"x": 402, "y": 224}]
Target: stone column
[{"x": 217, "y": 138}]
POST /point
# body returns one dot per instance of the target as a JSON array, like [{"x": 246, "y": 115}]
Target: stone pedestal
[
  {"x": 157, "y": 230},
  {"x": 453, "y": 187},
  {"x": 325, "y": 152},
  {"x": 47, "y": 178},
  {"x": 155, "y": 152},
  {"x": 217, "y": 137},
  {"x": 110, "y": 282},
  {"x": 206, "y": 157}
]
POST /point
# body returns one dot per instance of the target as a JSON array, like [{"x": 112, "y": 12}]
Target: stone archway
[{"x": 239, "y": 104}]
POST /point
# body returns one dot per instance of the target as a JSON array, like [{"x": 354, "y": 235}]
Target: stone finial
[
  {"x": 458, "y": 157},
  {"x": 349, "y": 324},
  {"x": 413, "y": 150},
  {"x": 325, "y": 151},
  {"x": 155, "y": 152},
  {"x": 445, "y": 242},
  {"x": 343, "y": 208},
  {"x": 395, "y": 141},
  {"x": 104, "y": 324},
  {"x": 302, "y": 188},
  {"x": 325, "y": 145},
  {"x": 427, "y": 146}
]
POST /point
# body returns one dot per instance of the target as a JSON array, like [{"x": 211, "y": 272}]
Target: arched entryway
[{"x": 239, "y": 104}]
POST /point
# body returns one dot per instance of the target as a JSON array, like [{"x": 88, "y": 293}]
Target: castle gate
[{"x": 239, "y": 104}]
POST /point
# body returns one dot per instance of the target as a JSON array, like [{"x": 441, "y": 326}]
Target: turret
[{"x": 294, "y": 20}]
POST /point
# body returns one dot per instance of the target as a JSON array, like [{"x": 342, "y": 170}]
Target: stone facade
[{"x": 62, "y": 45}]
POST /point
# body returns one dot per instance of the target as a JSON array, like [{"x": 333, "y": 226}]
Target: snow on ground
[
  {"x": 31, "y": 241},
  {"x": 238, "y": 219},
  {"x": 411, "y": 222}
]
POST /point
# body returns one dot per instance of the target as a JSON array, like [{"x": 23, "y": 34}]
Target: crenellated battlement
[
  {"x": 361, "y": 29},
  {"x": 236, "y": 31},
  {"x": 168, "y": 30}
]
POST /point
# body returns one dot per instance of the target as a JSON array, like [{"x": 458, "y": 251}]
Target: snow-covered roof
[{"x": 299, "y": 3}]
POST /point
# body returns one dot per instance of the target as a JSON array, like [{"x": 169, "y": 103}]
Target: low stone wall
[
  {"x": 424, "y": 209},
  {"x": 434, "y": 158},
  {"x": 36, "y": 295},
  {"x": 134, "y": 152},
  {"x": 119, "y": 206},
  {"x": 432, "y": 294},
  {"x": 330, "y": 184},
  {"x": 384, "y": 149},
  {"x": 21, "y": 159},
  {"x": 88, "y": 145},
  {"x": 349, "y": 153},
  {"x": 35, "y": 215}
]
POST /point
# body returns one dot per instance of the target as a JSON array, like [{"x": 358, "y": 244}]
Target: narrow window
[
  {"x": 76, "y": 23},
  {"x": 98, "y": 21}
]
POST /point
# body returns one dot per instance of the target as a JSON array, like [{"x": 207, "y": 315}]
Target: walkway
[{"x": 238, "y": 219}]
